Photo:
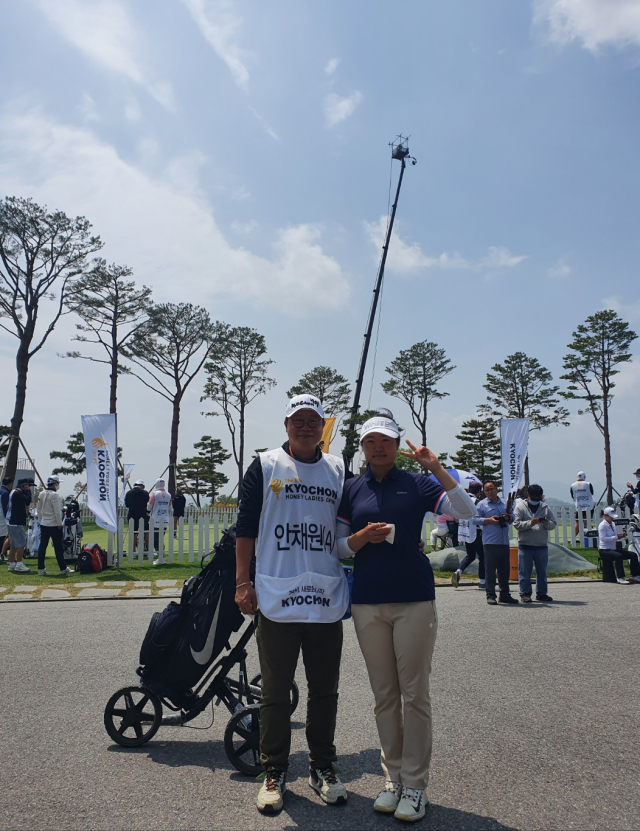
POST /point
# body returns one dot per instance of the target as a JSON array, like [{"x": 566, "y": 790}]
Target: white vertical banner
[
  {"x": 126, "y": 484},
  {"x": 101, "y": 447},
  {"x": 514, "y": 445}
]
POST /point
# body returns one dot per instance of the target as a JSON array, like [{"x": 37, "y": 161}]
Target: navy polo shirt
[{"x": 395, "y": 572}]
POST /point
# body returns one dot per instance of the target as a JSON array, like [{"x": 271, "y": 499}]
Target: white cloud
[
  {"x": 331, "y": 66},
  {"x": 244, "y": 228},
  {"x": 560, "y": 269},
  {"x": 161, "y": 225},
  {"x": 269, "y": 130},
  {"x": 104, "y": 31},
  {"x": 500, "y": 257},
  {"x": 407, "y": 258},
  {"x": 630, "y": 311},
  {"x": 595, "y": 23},
  {"x": 132, "y": 111},
  {"x": 336, "y": 109},
  {"x": 218, "y": 25},
  {"x": 88, "y": 108}
]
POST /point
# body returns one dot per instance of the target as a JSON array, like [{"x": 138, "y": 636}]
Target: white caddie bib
[
  {"x": 299, "y": 578},
  {"x": 467, "y": 532},
  {"x": 582, "y": 496},
  {"x": 160, "y": 509}
]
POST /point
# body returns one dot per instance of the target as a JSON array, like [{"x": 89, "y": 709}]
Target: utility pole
[{"x": 400, "y": 152}]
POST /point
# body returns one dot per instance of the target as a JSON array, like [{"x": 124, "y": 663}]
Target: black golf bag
[
  {"x": 185, "y": 638},
  {"x": 71, "y": 532}
]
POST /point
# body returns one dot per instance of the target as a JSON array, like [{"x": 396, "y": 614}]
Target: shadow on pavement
[
  {"x": 207, "y": 754},
  {"x": 358, "y": 814}
]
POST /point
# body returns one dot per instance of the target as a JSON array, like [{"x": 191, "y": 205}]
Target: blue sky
[{"x": 234, "y": 154}]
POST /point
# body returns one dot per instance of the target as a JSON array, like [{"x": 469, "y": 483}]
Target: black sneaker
[
  {"x": 544, "y": 598},
  {"x": 507, "y": 598},
  {"x": 326, "y": 783},
  {"x": 492, "y": 601},
  {"x": 525, "y": 598}
]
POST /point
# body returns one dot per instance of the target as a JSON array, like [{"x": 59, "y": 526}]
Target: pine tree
[
  {"x": 74, "y": 458},
  {"x": 480, "y": 450},
  {"x": 213, "y": 454},
  {"x": 599, "y": 344},
  {"x": 414, "y": 375},
  {"x": 328, "y": 385},
  {"x": 521, "y": 388}
]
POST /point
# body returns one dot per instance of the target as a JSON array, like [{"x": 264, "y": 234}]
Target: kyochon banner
[
  {"x": 101, "y": 445},
  {"x": 514, "y": 442}
]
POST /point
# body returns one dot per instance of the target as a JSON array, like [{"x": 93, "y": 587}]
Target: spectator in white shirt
[
  {"x": 608, "y": 537},
  {"x": 50, "y": 519}
]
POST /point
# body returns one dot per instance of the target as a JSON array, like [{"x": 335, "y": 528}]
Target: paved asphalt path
[{"x": 535, "y": 712}]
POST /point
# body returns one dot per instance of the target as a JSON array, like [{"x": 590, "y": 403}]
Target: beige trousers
[{"x": 397, "y": 641}]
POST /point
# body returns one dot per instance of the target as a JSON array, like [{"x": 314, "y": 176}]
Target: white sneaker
[
  {"x": 12, "y": 566},
  {"x": 20, "y": 567},
  {"x": 388, "y": 799},
  {"x": 455, "y": 578},
  {"x": 66, "y": 572},
  {"x": 42, "y": 572},
  {"x": 620, "y": 580},
  {"x": 326, "y": 783},
  {"x": 635, "y": 578},
  {"x": 412, "y": 806},
  {"x": 271, "y": 795}
]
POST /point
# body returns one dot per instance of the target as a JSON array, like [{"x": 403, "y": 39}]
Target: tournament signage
[
  {"x": 101, "y": 445},
  {"x": 514, "y": 444}
]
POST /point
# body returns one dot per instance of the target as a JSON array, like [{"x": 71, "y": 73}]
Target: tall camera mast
[{"x": 400, "y": 152}]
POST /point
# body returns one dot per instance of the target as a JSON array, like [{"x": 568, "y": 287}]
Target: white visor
[{"x": 377, "y": 424}]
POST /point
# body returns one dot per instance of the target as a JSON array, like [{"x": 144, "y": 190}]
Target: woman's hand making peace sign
[{"x": 429, "y": 461}]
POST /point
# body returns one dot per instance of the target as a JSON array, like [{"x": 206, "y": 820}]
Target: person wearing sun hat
[
  {"x": 393, "y": 601},
  {"x": 608, "y": 537},
  {"x": 287, "y": 519}
]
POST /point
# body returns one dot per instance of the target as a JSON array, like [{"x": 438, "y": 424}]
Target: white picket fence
[
  {"x": 201, "y": 528},
  {"x": 564, "y": 532},
  {"x": 196, "y": 534}
]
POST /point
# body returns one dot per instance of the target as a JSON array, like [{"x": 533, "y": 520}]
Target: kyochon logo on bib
[{"x": 277, "y": 486}]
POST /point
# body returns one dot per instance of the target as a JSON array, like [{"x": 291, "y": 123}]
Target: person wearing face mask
[
  {"x": 50, "y": 519},
  {"x": 636, "y": 491},
  {"x": 533, "y": 520}
]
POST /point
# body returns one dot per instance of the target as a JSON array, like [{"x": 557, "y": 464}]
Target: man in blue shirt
[{"x": 492, "y": 516}]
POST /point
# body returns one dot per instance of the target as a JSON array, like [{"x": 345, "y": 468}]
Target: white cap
[
  {"x": 139, "y": 482},
  {"x": 610, "y": 512},
  {"x": 53, "y": 480},
  {"x": 581, "y": 475},
  {"x": 160, "y": 484},
  {"x": 304, "y": 402},
  {"x": 379, "y": 424}
]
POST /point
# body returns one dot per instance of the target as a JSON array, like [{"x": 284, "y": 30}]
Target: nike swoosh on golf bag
[{"x": 185, "y": 638}]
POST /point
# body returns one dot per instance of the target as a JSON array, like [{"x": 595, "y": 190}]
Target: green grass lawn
[{"x": 173, "y": 571}]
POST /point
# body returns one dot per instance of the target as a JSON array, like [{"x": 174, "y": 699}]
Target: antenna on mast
[{"x": 399, "y": 152}]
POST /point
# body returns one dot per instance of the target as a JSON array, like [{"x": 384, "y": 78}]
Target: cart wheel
[
  {"x": 295, "y": 692},
  {"x": 132, "y": 716},
  {"x": 242, "y": 740}
]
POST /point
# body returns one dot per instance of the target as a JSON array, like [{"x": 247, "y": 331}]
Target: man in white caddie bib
[
  {"x": 160, "y": 508},
  {"x": 582, "y": 495},
  {"x": 287, "y": 517}
]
